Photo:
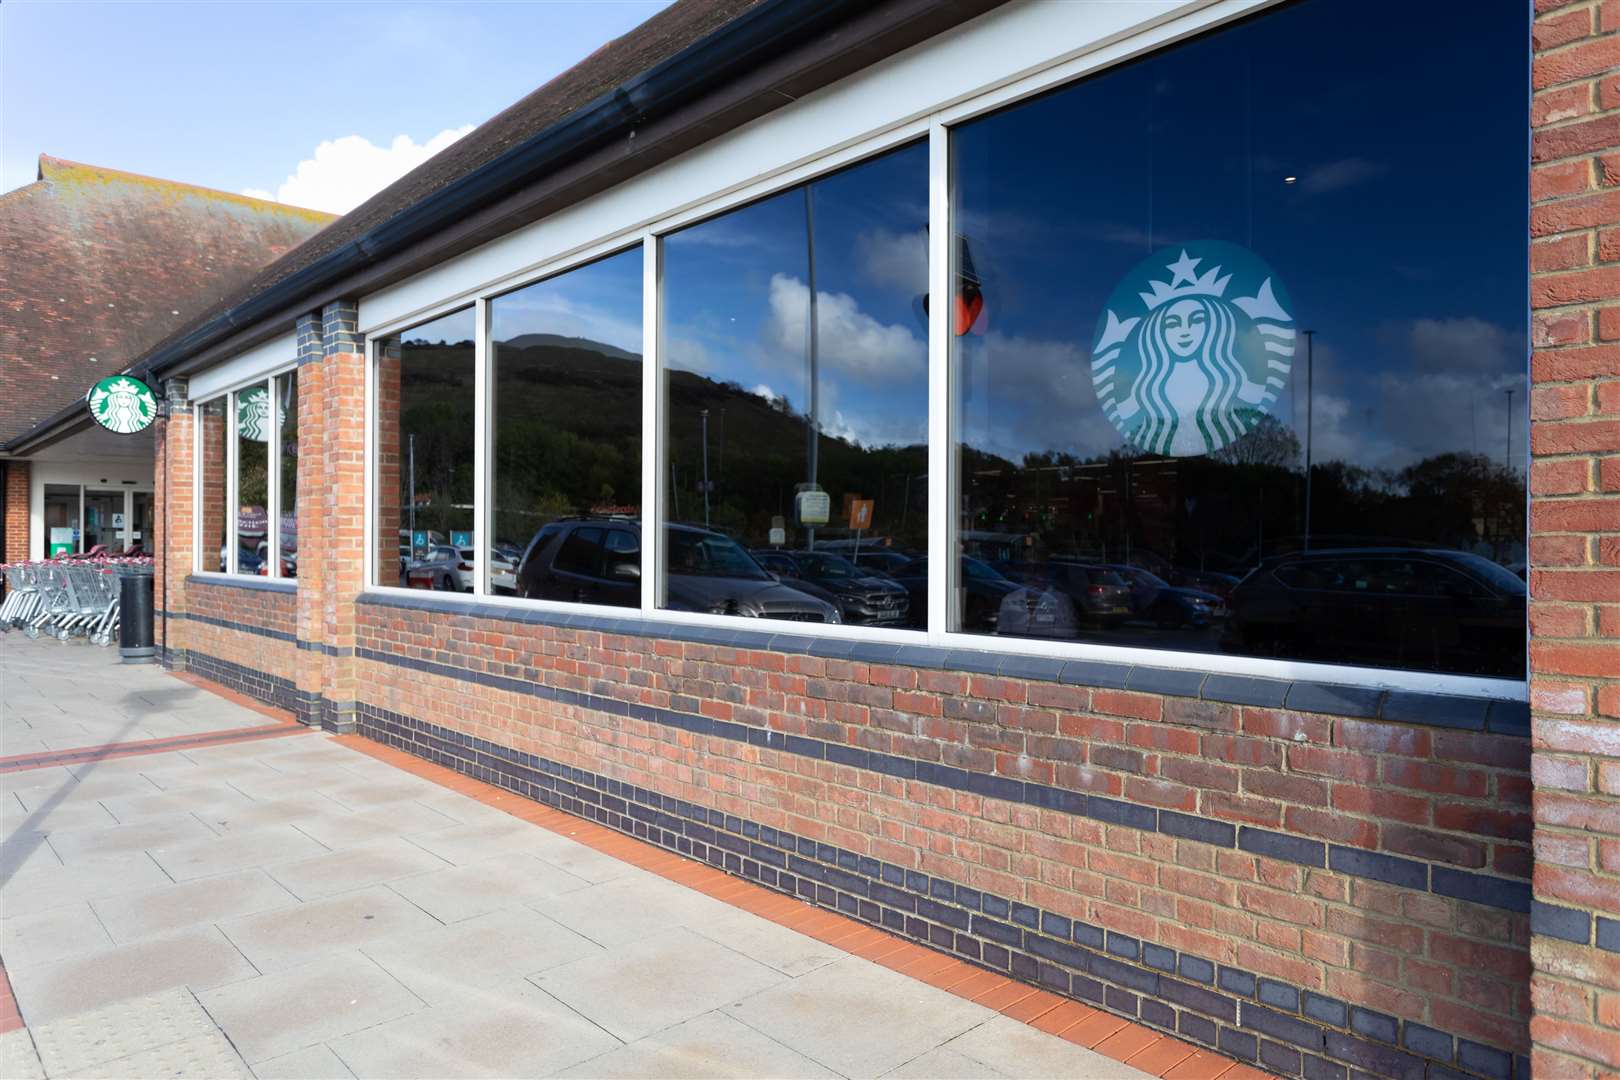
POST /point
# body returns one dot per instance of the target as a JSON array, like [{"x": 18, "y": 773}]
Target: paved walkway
[{"x": 292, "y": 907}]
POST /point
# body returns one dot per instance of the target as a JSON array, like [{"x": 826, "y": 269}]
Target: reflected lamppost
[
  {"x": 1507, "y": 459},
  {"x": 815, "y": 383},
  {"x": 704, "y": 413},
  {"x": 1310, "y": 380}
]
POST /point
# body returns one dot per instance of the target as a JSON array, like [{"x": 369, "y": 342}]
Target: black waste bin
[{"x": 135, "y": 643}]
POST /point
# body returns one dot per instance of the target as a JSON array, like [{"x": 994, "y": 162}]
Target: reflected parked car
[
  {"x": 442, "y": 568},
  {"x": 1165, "y": 605},
  {"x": 598, "y": 561},
  {"x": 861, "y": 596},
  {"x": 983, "y": 589},
  {"x": 1099, "y": 595},
  {"x": 1403, "y": 607},
  {"x": 885, "y": 561}
]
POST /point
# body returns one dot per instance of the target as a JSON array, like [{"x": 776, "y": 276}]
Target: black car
[
  {"x": 1165, "y": 605},
  {"x": 883, "y": 561},
  {"x": 1407, "y": 607},
  {"x": 598, "y": 561},
  {"x": 983, "y": 589},
  {"x": 861, "y": 596}
]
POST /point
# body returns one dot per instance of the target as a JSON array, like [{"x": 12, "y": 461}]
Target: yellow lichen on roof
[{"x": 68, "y": 174}]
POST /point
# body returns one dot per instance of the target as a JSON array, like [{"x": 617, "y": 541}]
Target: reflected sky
[{"x": 1383, "y": 183}]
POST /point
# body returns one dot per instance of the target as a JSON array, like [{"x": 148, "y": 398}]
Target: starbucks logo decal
[
  {"x": 253, "y": 414},
  {"x": 122, "y": 404},
  {"x": 1193, "y": 348}
]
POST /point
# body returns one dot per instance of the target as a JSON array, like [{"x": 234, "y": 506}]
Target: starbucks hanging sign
[{"x": 122, "y": 404}]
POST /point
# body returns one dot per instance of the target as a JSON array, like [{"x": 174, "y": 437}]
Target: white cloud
[
  {"x": 897, "y": 259},
  {"x": 1465, "y": 343},
  {"x": 1336, "y": 175},
  {"x": 850, "y": 342},
  {"x": 347, "y": 171}
]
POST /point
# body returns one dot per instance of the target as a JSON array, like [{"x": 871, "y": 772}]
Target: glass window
[
  {"x": 214, "y": 499},
  {"x": 287, "y": 474},
  {"x": 1228, "y": 327},
  {"x": 424, "y": 449},
  {"x": 566, "y": 413},
  {"x": 795, "y": 391},
  {"x": 61, "y": 520},
  {"x": 253, "y": 480}
]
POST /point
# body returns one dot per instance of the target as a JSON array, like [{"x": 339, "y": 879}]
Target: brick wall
[
  {"x": 1364, "y": 870},
  {"x": 14, "y": 500},
  {"x": 1575, "y": 537}
]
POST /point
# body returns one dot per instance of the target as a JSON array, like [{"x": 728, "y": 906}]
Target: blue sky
[{"x": 235, "y": 95}]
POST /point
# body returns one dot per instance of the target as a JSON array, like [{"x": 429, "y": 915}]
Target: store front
[
  {"x": 1067, "y": 492},
  {"x": 79, "y": 519}
]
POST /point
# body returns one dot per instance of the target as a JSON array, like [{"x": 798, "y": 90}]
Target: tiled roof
[{"x": 100, "y": 263}]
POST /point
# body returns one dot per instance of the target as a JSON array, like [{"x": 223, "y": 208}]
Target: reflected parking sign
[{"x": 860, "y": 513}]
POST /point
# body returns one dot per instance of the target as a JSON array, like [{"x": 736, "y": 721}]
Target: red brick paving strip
[
  {"x": 10, "y": 1018},
  {"x": 285, "y": 724},
  {"x": 1140, "y": 1047}
]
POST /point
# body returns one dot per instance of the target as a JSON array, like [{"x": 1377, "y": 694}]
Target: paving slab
[
  {"x": 440, "y": 964},
  {"x": 44, "y": 887},
  {"x": 277, "y": 940},
  {"x": 1015, "y": 1049},
  {"x": 350, "y": 829},
  {"x": 520, "y": 1032},
  {"x": 711, "y": 1045},
  {"x": 376, "y": 863},
  {"x": 238, "y": 851},
  {"x": 464, "y": 892},
  {"x": 197, "y": 959},
  {"x": 207, "y": 1057},
  {"x": 13, "y": 818},
  {"x": 310, "y": 1063},
  {"x": 277, "y": 1014},
  {"x": 632, "y": 907},
  {"x": 175, "y": 906},
  {"x": 262, "y": 812},
  {"x": 636, "y": 989},
  {"x": 18, "y": 1061},
  {"x": 48, "y": 936},
  {"x": 857, "y": 1018},
  {"x": 199, "y": 799},
  {"x": 944, "y": 1064},
  {"x": 116, "y": 1032},
  {"x": 150, "y": 834}
]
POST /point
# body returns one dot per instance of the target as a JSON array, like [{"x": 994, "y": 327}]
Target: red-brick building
[
  {"x": 100, "y": 265},
  {"x": 1210, "y": 612}
]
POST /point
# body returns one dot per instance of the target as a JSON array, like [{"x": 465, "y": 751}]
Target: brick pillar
[
  {"x": 314, "y": 555},
  {"x": 342, "y": 497},
  {"x": 14, "y": 536},
  {"x": 173, "y": 512},
  {"x": 1575, "y": 539}
]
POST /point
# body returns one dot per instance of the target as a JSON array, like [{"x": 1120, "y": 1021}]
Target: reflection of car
[
  {"x": 982, "y": 590},
  {"x": 443, "y": 568},
  {"x": 1166, "y": 605},
  {"x": 1209, "y": 581},
  {"x": 1406, "y": 607},
  {"x": 503, "y": 571},
  {"x": 1037, "y": 610},
  {"x": 861, "y": 597},
  {"x": 883, "y": 561},
  {"x": 1098, "y": 595},
  {"x": 599, "y": 562}
]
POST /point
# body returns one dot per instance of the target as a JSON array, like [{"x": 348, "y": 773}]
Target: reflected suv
[
  {"x": 598, "y": 561},
  {"x": 1425, "y": 608},
  {"x": 861, "y": 595}
]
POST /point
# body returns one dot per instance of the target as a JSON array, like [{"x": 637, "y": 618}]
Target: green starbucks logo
[
  {"x": 1181, "y": 367},
  {"x": 253, "y": 414},
  {"x": 122, "y": 404}
]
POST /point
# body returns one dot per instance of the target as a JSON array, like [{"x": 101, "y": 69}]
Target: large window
[
  {"x": 1249, "y": 354},
  {"x": 425, "y": 388},
  {"x": 247, "y": 480},
  {"x": 796, "y": 401},
  {"x": 566, "y": 410},
  {"x": 253, "y": 434},
  {"x": 1228, "y": 366}
]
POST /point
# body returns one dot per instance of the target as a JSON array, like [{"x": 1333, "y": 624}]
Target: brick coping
[{"x": 1112, "y": 1036}]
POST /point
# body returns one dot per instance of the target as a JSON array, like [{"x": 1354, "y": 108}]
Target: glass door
[
  {"x": 141, "y": 519},
  {"x": 104, "y": 520},
  {"x": 61, "y": 520}
]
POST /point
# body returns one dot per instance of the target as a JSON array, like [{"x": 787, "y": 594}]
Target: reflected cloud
[
  {"x": 899, "y": 260},
  {"x": 1337, "y": 175},
  {"x": 851, "y": 342}
]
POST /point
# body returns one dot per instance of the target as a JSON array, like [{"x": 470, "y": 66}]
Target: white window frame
[
  {"x": 987, "y": 64},
  {"x": 201, "y": 565}
]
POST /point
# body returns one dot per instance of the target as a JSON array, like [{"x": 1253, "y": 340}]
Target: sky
[{"x": 317, "y": 104}]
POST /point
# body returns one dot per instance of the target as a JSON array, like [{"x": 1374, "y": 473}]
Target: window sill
[
  {"x": 1504, "y": 714},
  {"x": 243, "y": 581}
]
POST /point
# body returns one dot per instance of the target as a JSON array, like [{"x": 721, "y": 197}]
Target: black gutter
[{"x": 751, "y": 39}]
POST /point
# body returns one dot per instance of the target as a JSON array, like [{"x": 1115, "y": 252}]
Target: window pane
[
  {"x": 1227, "y": 326},
  {"x": 424, "y": 454},
  {"x": 796, "y": 398},
  {"x": 213, "y": 494},
  {"x": 253, "y": 480},
  {"x": 567, "y": 412},
  {"x": 61, "y": 520},
  {"x": 287, "y": 403}
]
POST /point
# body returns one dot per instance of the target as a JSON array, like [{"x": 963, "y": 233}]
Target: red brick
[
  {"x": 1570, "y": 658},
  {"x": 1560, "y": 365},
  {"x": 1340, "y": 765},
  {"x": 1558, "y": 620},
  {"x": 1560, "y": 477},
  {"x": 1559, "y": 181},
  {"x": 1566, "y": 774},
  {"x": 1440, "y": 779},
  {"x": 1581, "y": 1038},
  {"x": 1276, "y": 724},
  {"x": 1578, "y": 736},
  {"x": 1483, "y": 821},
  {"x": 1558, "y": 550},
  {"x": 1120, "y": 703},
  {"x": 1434, "y": 846},
  {"x": 1569, "y": 214},
  {"x": 1560, "y": 402},
  {"x": 1381, "y": 802},
  {"x": 1574, "y": 515},
  {"x": 1380, "y": 738},
  {"x": 1568, "y": 140},
  {"x": 1576, "y": 812},
  {"x": 1576, "y": 62},
  {"x": 1551, "y": 32},
  {"x": 1608, "y": 398},
  {"x": 1331, "y": 826},
  {"x": 1609, "y": 480},
  {"x": 1576, "y": 287},
  {"x": 1575, "y": 437}
]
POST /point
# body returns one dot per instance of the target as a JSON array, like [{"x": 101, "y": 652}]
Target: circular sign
[
  {"x": 122, "y": 404},
  {"x": 253, "y": 414},
  {"x": 1193, "y": 348}
]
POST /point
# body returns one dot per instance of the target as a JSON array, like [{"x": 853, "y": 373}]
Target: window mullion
[
  {"x": 483, "y": 433},
  {"x": 941, "y": 504},
  {"x": 272, "y": 477},
  {"x": 652, "y": 441}
]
